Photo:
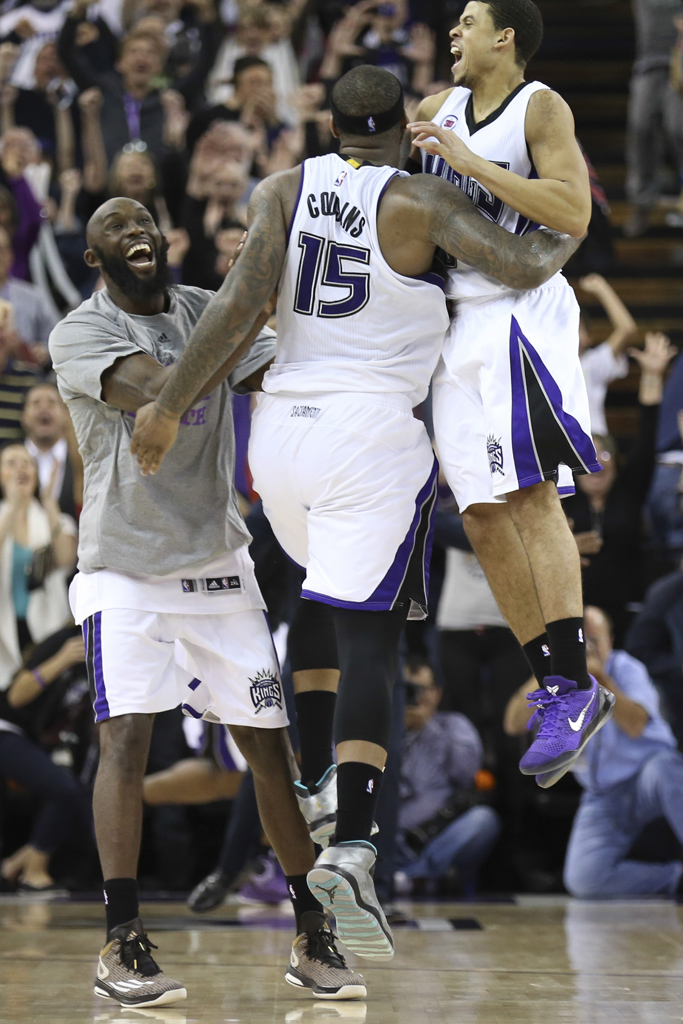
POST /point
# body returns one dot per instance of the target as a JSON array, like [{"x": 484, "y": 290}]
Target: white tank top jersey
[
  {"x": 346, "y": 322},
  {"x": 500, "y": 138}
]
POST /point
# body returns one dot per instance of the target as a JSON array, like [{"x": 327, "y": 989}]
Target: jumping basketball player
[
  {"x": 346, "y": 473},
  {"x": 164, "y": 565},
  {"x": 510, "y": 402}
]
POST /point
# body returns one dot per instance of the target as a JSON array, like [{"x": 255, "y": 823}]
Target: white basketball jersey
[
  {"x": 500, "y": 138},
  {"x": 346, "y": 322}
]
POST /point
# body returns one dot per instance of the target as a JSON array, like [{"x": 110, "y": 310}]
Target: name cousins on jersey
[{"x": 327, "y": 204}]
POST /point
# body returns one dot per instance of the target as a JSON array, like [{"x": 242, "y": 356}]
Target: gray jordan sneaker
[
  {"x": 317, "y": 964},
  {"x": 341, "y": 879},
  {"x": 320, "y": 808},
  {"x": 128, "y": 973}
]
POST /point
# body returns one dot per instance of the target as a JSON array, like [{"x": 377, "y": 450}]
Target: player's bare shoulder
[
  {"x": 548, "y": 115},
  {"x": 431, "y": 105}
]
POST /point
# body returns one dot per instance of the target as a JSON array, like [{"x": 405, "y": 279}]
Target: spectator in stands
[
  {"x": 37, "y": 107},
  {"x": 665, "y": 501},
  {"x": 189, "y": 31},
  {"x": 441, "y": 827},
  {"x": 204, "y": 218},
  {"x": 132, "y": 108},
  {"x": 656, "y": 639},
  {"x": 53, "y": 676},
  {"x": 609, "y": 504},
  {"x": 37, "y": 550},
  {"x": 17, "y": 377},
  {"x": 606, "y": 362},
  {"x": 23, "y": 214},
  {"x": 653, "y": 109},
  {"x": 375, "y": 33},
  {"x": 631, "y": 774},
  {"x": 32, "y": 317},
  {"x": 258, "y": 36},
  {"x": 226, "y": 241},
  {"x": 252, "y": 103},
  {"x": 51, "y": 442}
]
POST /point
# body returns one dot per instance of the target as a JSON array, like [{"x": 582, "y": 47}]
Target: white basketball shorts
[
  {"x": 221, "y": 668},
  {"x": 509, "y": 397},
  {"x": 348, "y": 482}
]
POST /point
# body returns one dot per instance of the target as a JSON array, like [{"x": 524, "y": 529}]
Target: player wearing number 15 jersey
[
  {"x": 346, "y": 473},
  {"x": 510, "y": 402}
]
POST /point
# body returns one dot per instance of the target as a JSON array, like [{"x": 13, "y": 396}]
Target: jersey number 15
[{"x": 334, "y": 258}]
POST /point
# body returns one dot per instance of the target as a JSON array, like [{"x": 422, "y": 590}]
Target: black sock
[
  {"x": 357, "y": 791},
  {"x": 538, "y": 655},
  {"x": 315, "y": 717},
  {"x": 303, "y": 900},
  {"x": 120, "y": 901},
  {"x": 568, "y": 650}
]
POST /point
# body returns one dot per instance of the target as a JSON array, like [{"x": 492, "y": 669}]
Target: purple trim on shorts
[
  {"x": 386, "y": 593},
  {"x": 101, "y": 705},
  {"x": 529, "y": 470},
  {"x": 566, "y": 492},
  {"x": 527, "y": 465},
  {"x": 298, "y": 199},
  {"x": 190, "y": 711},
  {"x": 194, "y": 684}
]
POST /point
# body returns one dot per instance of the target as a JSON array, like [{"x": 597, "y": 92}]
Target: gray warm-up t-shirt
[{"x": 187, "y": 514}]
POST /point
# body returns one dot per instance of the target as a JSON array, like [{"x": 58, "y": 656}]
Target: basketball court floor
[{"x": 532, "y": 960}]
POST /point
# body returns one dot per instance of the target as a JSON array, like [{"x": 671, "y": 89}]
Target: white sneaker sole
[
  {"x": 345, "y": 992},
  {"x": 358, "y": 924},
  {"x": 173, "y": 995}
]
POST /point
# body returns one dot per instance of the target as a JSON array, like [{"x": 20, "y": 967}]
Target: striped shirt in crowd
[{"x": 16, "y": 380}]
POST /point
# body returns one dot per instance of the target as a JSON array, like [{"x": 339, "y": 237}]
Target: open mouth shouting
[
  {"x": 140, "y": 255},
  {"x": 457, "y": 55}
]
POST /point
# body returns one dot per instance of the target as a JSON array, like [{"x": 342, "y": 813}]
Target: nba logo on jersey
[
  {"x": 371, "y": 124},
  {"x": 341, "y": 179},
  {"x": 449, "y": 122}
]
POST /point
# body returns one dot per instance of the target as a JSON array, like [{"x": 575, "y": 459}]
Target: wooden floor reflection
[{"x": 537, "y": 961}]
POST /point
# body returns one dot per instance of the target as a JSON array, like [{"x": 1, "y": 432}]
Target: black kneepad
[{"x": 312, "y": 639}]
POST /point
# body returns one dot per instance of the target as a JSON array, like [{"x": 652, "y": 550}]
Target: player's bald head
[{"x": 119, "y": 204}]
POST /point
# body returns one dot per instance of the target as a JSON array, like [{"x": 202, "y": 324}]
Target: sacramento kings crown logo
[
  {"x": 494, "y": 450},
  {"x": 265, "y": 691}
]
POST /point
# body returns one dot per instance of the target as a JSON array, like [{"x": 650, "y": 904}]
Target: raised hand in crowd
[
  {"x": 176, "y": 118},
  {"x": 286, "y": 152},
  {"x": 178, "y": 245},
  {"x": 9, "y": 52},
  {"x": 653, "y": 360},
  {"x": 308, "y": 99},
  {"x": 90, "y": 102}
]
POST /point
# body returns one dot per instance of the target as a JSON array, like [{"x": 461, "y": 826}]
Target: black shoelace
[
  {"x": 321, "y": 947},
  {"x": 136, "y": 955}
]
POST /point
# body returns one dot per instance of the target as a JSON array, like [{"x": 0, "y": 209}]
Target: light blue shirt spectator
[{"x": 612, "y": 756}]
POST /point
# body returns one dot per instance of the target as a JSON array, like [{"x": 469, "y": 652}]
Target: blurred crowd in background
[{"x": 184, "y": 105}]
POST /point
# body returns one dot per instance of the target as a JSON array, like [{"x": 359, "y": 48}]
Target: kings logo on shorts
[
  {"x": 494, "y": 450},
  {"x": 266, "y": 691}
]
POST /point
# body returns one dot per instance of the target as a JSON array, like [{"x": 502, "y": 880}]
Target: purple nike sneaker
[{"x": 567, "y": 717}]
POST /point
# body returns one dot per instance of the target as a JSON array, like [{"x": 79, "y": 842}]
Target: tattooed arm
[
  {"x": 432, "y": 212},
  {"x": 222, "y": 328}
]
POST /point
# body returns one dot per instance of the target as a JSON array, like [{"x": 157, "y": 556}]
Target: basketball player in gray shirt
[{"x": 171, "y": 611}]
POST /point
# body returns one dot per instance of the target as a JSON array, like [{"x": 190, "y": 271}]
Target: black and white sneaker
[
  {"x": 209, "y": 893},
  {"x": 317, "y": 964},
  {"x": 128, "y": 973}
]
